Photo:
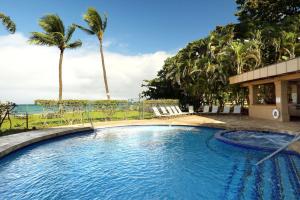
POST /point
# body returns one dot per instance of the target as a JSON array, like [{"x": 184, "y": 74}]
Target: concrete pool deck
[
  {"x": 14, "y": 142},
  {"x": 11, "y": 143}
]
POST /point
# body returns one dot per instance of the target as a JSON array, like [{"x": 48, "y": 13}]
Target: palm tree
[
  {"x": 55, "y": 35},
  {"x": 97, "y": 26},
  {"x": 288, "y": 45},
  {"x": 8, "y": 23}
]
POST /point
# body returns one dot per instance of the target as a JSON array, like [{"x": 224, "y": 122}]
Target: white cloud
[{"x": 29, "y": 72}]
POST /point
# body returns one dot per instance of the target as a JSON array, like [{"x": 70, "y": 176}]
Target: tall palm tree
[
  {"x": 55, "y": 35},
  {"x": 8, "y": 23},
  {"x": 97, "y": 26}
]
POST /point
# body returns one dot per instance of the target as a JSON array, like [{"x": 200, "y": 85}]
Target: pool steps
[
  {"x": 265, "y": 181},
  {"x": 277, "y": 189},
  {"x": 291, "y": 190},
  {"x": 244, "y": 179},
  {"x": 230, "y": 180},
  {"x": 294, "y": 174},
  {"x": 257, "y": 192}
]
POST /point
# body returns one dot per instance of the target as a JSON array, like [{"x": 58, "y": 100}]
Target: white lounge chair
[
  {"x": 179, "y": 111},
  {"x": 157, "y": 113},
  {"x": 170, "y": 110},
  {"x": 191, "y": 110},
  {"x": 175, "y": 110},
  {"x": 226, "y": 110},
  {"x": 205, "y": 109},
  {"x": 215, "y": 109},
  {"x": 164, "y": 111},
  {"x": 237, "y": 109}
]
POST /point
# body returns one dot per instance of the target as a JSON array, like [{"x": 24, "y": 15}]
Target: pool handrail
[
  {"x": 90, "y": 119},
  {"x": 296, "y": 138}
]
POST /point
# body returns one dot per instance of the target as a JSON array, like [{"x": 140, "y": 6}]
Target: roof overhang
[{"x": 271, "y": 71}]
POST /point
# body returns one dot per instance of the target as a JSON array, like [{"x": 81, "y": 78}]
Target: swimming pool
[{"x": 146, "y": 162}]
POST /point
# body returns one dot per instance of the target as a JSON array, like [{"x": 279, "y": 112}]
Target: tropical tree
[
  {"x": 262, "y": 12},
  {"x": 267, "y": 32},
  {"x": 97, "y": 26},
  {"x": 55, "y": 35},
  {"x": 8, "y": 23},
  {"x": 287, "y": 43}
]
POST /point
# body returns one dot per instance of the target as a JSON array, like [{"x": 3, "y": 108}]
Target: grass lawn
[{"x": 37, "y": 121}]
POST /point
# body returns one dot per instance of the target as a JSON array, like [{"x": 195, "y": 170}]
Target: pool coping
[
  {"x": 219, "y": 136},
  {"x": 14, "y": 142}
]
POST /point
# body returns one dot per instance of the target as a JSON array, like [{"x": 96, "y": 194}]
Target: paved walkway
[
  {"x": 219, "y": 121},
  {"x": 13, "y": 142}
]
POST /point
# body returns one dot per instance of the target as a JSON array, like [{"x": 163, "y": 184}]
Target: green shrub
[
  {"x": 159, "y": 102},
  {"x": 71, "y": 102},
  {"x": 163, "y": 102}
]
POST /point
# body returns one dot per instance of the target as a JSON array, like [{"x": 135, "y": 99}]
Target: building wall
[
  {"x": 265, "y": 111},
  {"x": 261, "y": 111}
]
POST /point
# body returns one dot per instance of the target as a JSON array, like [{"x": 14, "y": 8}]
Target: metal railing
[
  {"x": 53, "y": 114},
  {"x": 35, "y": 117},
  {"x": 295, "y": 139}
]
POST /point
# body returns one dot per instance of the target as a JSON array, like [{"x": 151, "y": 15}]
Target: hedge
[
  {"x": 71, "y": 102},
  {"x": 162, "y": 102},
  {"x": 107, "y": 105},
  {"x": 44, "y": 102}
]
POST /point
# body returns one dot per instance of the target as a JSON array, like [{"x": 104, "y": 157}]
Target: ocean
[{"x": 28, "y": 108}]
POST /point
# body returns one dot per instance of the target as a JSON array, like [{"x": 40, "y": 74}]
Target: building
[{"x": 274, "y": 91}]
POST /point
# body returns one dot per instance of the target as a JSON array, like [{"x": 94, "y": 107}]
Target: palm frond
[
  {"x": 74, "y": 45},
  {"x": 52, "y": 23},
  {"x": 104, "y": 22},
  {"x": 70, "y": 32},
  {"x": 8, "y": 23},
  {"x": 42, "y": 39},
  {"x": 95, "y": 21},
  {"x": 54, "y": 34},
  {"x": 58, "y": 38},
  {"x": 88, "y": 31}
]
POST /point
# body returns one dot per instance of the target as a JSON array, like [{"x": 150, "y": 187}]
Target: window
[{"x": 264, "y": 94}]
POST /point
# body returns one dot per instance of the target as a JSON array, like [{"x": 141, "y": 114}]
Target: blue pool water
[
  {"x": 147, "y": 162},
  {"x": 253, "y": 139}
]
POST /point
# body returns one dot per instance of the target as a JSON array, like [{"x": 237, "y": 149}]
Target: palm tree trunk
[
  {"x": 60, "y": 75},
  {"x": 104, "y": 72}
]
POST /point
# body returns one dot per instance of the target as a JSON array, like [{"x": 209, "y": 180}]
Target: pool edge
[{"x": 12, "y": 143}]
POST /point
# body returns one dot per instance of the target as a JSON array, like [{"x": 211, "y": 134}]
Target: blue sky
[
  {"x": 140, "y": 35},
  {"x": 134, "y": 26}
]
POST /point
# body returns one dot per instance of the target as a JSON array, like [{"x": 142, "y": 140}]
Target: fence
[{"x": 45, "y": 113}]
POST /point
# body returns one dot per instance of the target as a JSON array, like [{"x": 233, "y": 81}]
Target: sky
[{"x": 140, "y": 35}]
